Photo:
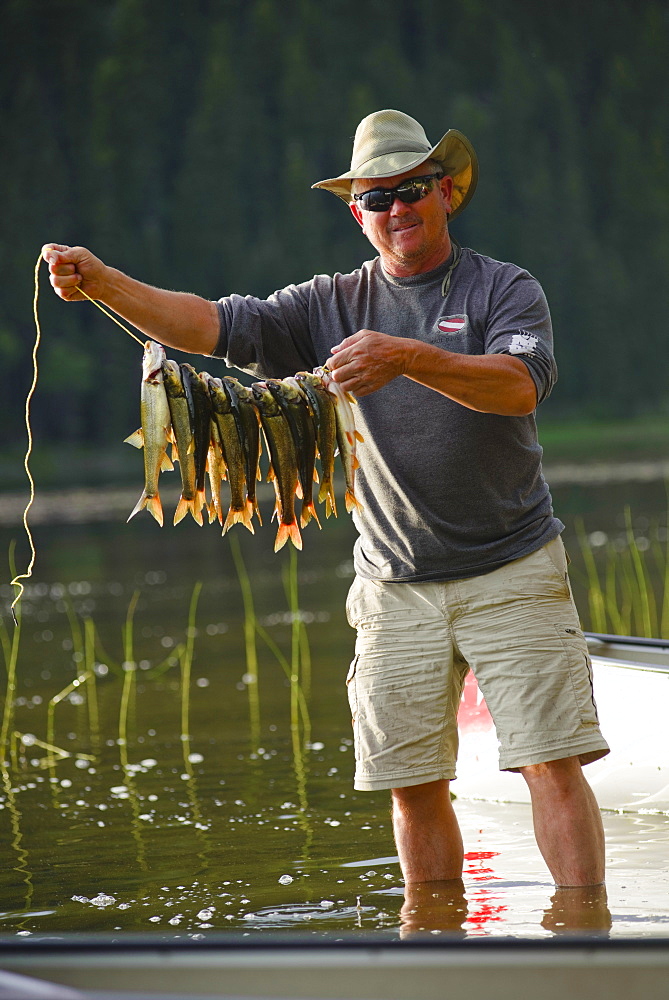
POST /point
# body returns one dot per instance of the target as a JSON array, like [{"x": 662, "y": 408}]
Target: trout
[
  {"x": 323, "y": 408},
  {"x": 184, "y": 440},
  {"x": 248, "y": 424},
  {"x": 347, "y": 435},
  {"x": 154, "y": 434},
  {"x": 283, "y": 470},
  {"x": 198, "y": 399},
  {"x": 299, "y": 414},
  {"x": 241, "y": 509}
]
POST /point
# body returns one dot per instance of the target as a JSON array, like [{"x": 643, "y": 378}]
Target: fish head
[
  {"x": 172, "y": 380},
  {"x": 154, "y": 355},
  {"x": 220, "y": 400},
  {"x": 264, "y": 399}
]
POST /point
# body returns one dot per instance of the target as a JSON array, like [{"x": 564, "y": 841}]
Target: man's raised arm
[{"x": 176, "y": 319}]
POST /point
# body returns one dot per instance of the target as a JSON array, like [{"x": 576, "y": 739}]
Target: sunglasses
[{"x": 381, "y": 199}]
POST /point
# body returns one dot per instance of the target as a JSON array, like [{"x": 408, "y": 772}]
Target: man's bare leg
[
  {"x": 427, "y": 834},
  {"x": 567, "y": 822}
]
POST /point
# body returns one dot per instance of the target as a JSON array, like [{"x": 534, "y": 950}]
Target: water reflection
[
  {"x": 578, "y": 910},
  {"x": 222, "y": 799}
]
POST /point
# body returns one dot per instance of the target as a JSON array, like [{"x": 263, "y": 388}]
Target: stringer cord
[{"x": 16, "y": 582}]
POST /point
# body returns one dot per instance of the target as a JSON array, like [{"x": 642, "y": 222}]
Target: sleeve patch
[{"x": 523, "y": 343}]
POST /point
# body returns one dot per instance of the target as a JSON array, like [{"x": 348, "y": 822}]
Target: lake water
[{"x": 147, "y": 799}]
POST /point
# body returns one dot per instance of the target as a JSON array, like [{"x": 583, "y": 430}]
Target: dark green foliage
[{"x": 179, "y": 141}]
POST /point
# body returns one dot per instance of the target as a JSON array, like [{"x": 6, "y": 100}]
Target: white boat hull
[{"x": 631, "y": 685}]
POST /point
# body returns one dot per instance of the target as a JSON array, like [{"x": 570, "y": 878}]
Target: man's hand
[
  {"x": 72, "y": 268},
  {"x": 367, "y": 361}
]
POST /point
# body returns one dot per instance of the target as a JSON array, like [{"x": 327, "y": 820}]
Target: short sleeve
[
  {"x": 519, "y": 324},
  {"x": 268, "y": 338}
]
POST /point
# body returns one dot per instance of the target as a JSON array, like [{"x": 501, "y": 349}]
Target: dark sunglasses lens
[
  {"x": 412, "y": 191},
  {"x": 377, "y": 200}
]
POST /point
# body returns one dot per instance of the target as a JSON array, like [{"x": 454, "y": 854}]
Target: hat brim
[{"x": 454, "y": 152}]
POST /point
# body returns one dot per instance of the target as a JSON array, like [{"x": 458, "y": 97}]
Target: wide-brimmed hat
[{"x": 389, "y": 142}]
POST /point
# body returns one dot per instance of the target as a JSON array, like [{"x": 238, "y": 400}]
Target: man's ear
[
  {"x": 446, "y": 186},
  {"x": 356, "y": 212}
]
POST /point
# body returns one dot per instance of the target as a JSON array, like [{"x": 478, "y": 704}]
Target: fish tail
[
  {"x": 214, "y": 511},
  {"x": 326, "y": 493},
  {"x": 308, "y": 512},
  {"x": 256, "y": 508},
  {"x": 247, "y": 520},
  {"x": 285, "y": 532},
  {"x": 196, "y": 511},
  {"x": 351, "y": 502},
  {"x": 152, "y": 504},
  {"x": 238, "y": 517},
  {"x": 182, "y": 509}
]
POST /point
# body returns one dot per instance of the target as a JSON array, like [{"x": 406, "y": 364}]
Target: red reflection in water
[
  {"x": 473, "y": 714},
  {"x": 483, "y": 907}
]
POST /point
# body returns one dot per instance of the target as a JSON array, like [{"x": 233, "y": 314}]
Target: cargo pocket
[{"x": 580, "y": 671}]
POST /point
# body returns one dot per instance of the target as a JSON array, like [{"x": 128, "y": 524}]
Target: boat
[
  {"x": 86, "y": 968},
  {"x": 631, "y": 685}
]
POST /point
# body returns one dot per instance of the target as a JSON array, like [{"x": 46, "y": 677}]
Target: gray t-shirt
[{"x": 447, "y": 492}]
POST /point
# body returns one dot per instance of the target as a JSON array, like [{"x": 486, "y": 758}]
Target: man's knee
[
  {"x": 414, "y": 795},
  {"x": 562, "y": 773}
]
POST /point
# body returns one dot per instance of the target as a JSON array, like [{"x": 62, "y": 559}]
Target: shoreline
[{"x": 82, "y": 505}]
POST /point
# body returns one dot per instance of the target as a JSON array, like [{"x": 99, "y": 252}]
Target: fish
[
  {"x": 299, "y": 414},
  {"x": 248, "y": 424},
  {"x": 283, "y": 458},
  {"x": 323, "y": 408},
  {"x": 347, "y": 436},
  {"x": 241, "y": 509},
  {"x": 200, "y": 403},
  {"x": 217, "y": 472},
  {"x": 183, "y": 449},
  {"x": 155, "y": 431}
]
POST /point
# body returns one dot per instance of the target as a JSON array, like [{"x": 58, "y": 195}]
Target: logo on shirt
[
  {"x": 452, "y": 324},
  {"x": 523, "y": 343}
]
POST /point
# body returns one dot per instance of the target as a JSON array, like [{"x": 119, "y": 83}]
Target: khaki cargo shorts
[{"x": 517, "y": 628}]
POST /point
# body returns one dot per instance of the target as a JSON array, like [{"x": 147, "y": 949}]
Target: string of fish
[{"x": 215, "y": 428}]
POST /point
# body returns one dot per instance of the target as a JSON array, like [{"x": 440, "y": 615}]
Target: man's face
[{"x": 410, "y": 239}]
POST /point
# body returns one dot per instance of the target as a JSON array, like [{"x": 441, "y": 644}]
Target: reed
[
  {"x": 91, "y": 686},
  {"x": 250, "y": 629},
  {"x": 627, "y": 590},
  {"x": 187, "y": 662},
  {"x": 10, "y": 649},
  {"x": 129, "y": 667}
]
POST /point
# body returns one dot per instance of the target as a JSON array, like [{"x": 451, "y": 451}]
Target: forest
[{"x": 179, "y": 141}]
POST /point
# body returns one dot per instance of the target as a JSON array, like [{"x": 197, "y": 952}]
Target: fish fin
[
  {"x": 351, "y": 398},
  {"x": 316, "y": 476},
  {"x": 136, "y": 439},
  {"x": 197, "y": 513},
  {"x": 155, "y": 507},
  {"x": 166, "y": 463},
  {"x": 175, "y": 453},
  {"x": 182, "y": 509},
  {"x": 285, "y": 532},
  {"x": 351, "y": 502},
  {"x": 298, "y": 490},
  {"x": 152, "y": 504},
  {"x": 308, "y": 512},
  {"x": 214, "y": 511},
  {"x": 238, "y": 517},
  {"x": 358, "y": 436}
]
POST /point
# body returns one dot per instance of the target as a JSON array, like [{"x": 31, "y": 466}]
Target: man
[{"x": 459, "y": 562}]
